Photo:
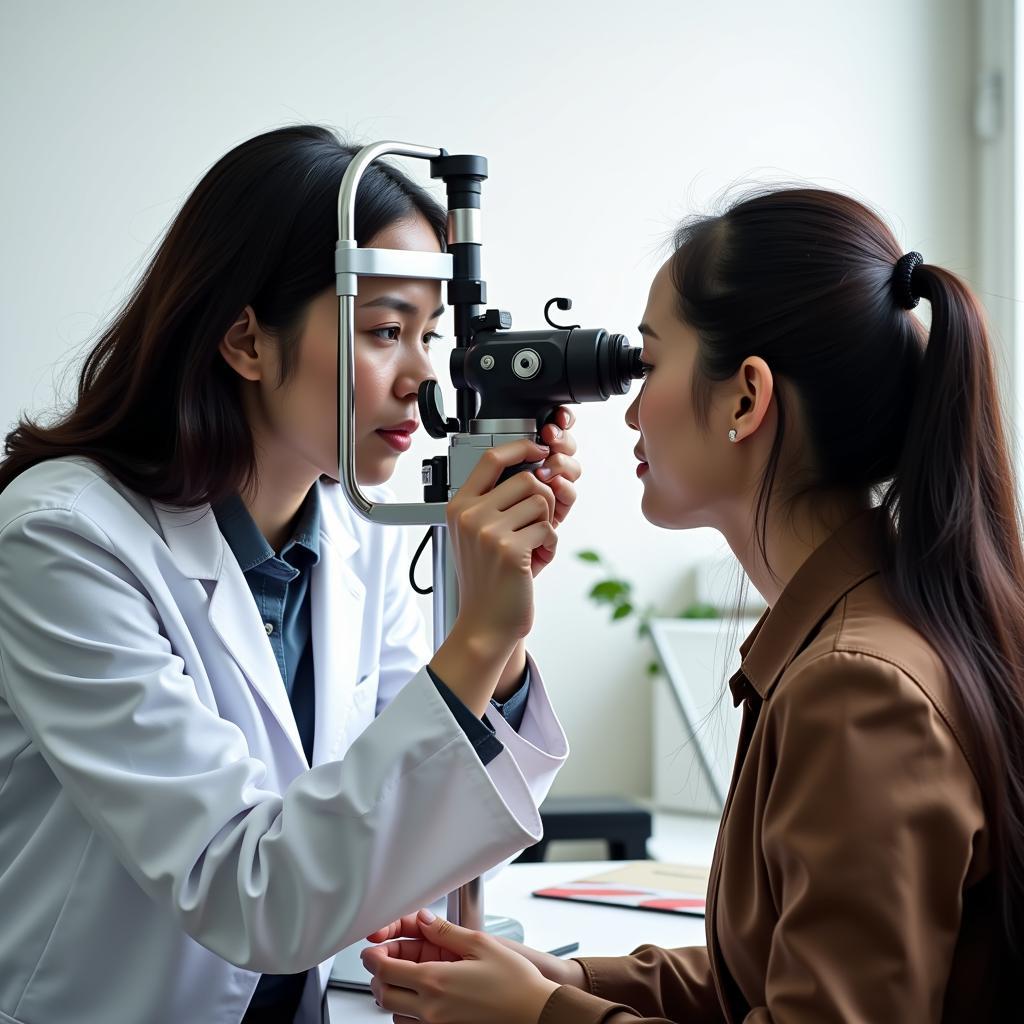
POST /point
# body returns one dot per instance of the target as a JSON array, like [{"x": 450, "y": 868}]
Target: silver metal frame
[
  {"x": 466, "y": 905},
  {"x": 349, "y": 262}
]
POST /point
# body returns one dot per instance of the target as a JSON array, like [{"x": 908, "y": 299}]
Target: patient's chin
[{"x": 657, "y": 513}]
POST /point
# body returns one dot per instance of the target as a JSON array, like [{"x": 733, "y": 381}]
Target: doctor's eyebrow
[
  {"x": 646, "y": 330},
  {"x": 400, "y": 306}
]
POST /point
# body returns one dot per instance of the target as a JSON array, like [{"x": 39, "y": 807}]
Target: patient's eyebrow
[
  {"x": 647, "y": 331},
  {"x": 400, "y": 306}
]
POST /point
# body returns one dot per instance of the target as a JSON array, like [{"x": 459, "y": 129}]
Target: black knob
[{"x": 432, "y": 414}]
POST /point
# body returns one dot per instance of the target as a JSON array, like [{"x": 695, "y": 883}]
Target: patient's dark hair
[
  {"x": 803, "y": 279},
  {"x": 157, "y": 404}
]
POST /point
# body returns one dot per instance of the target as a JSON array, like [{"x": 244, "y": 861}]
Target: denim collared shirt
[{"x": 280, "y": 588}]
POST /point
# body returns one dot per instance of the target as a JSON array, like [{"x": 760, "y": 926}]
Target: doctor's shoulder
[
  {"x": 74, "y": 491},
  {"x": 52, "y": 484}
]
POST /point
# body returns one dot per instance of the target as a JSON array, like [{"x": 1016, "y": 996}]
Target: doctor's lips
[
  {"x": 642, "y": 467},
  {"x": 399, "y": 436}
]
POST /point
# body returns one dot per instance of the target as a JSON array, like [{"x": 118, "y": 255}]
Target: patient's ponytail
[{"x": 957, "y": 570}]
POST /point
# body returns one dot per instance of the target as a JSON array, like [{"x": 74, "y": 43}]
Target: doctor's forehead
[
  {"x": 407, "y": 298},
  {"x": 413, "y": 233}
]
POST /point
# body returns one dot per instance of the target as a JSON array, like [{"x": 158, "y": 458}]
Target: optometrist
[{"x": 223, "y": 753}]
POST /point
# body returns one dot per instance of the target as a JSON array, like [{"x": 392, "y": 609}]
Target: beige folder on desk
[{"x": 640, "y": 885}]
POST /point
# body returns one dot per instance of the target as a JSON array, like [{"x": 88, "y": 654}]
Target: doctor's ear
[
  {"x": 244, "y": 346},
  {"x": 751, "y": 398}
]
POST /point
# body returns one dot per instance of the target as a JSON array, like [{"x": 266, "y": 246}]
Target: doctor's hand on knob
[
  {"x": 502, "y": 535},
  {"x": 559, "y": 470}
]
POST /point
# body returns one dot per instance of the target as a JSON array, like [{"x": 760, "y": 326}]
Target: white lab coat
[{"x": 162, "y": 839}]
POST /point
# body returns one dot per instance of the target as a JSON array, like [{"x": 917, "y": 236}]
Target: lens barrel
[{"x": 599, "y": 365}]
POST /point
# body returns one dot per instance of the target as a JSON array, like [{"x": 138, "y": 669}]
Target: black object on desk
[{"x": 624, "y": 825}]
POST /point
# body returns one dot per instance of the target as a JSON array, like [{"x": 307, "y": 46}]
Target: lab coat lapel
[
  {"x": 200, "y": 551},
  {"x": 337, "y": 596}
]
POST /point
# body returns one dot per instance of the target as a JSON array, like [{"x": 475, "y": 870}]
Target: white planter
[{"x": 696, "y": 727}]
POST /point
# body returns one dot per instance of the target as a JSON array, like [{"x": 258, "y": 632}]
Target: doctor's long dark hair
[
  {"x": 804, "y": 279},
  {"x": 157, "y": 405}
]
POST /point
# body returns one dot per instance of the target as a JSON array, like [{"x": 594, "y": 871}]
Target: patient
[{"x": 870, "y": 860}]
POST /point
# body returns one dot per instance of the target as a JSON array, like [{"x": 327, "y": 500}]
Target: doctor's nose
[{"x": 414, "y": 372}]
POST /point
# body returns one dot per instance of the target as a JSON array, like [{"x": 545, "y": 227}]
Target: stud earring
[{"x": 732, "y": 435}]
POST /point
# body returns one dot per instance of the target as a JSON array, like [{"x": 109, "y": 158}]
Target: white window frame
[{"x": 999, "y": 219}]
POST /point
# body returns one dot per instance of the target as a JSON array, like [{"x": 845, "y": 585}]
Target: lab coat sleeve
[
  {"x": 270, "y": 881},
  {"x": 539, "y": 748},
  {"x": 535, "y": 752}
]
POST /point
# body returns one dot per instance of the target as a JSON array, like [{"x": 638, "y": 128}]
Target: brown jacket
[{"x": 851, "y": 878}]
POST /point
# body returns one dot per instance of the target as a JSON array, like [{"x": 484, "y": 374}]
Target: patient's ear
[
  {"x": 242, "y": 346},
  {"x": 753, "y": 388}
]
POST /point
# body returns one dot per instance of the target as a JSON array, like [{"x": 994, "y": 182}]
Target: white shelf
[
  {"x": 695, "y": 724},
  {"x": 683, "y": 838}
]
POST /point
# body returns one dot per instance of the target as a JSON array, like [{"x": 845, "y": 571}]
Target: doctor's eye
[{"x": 647, "y": 368}]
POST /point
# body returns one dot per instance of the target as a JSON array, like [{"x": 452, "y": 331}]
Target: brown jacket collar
[{"x": 832, "y": 570}]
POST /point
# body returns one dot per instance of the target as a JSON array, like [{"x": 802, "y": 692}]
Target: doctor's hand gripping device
[{"x": 507, "y": 382}]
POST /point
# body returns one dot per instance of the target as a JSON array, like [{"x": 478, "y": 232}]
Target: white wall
[{"x": 603, "y": 122}]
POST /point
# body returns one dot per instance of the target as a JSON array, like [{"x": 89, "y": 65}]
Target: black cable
[{"x": 415, "y": 559}]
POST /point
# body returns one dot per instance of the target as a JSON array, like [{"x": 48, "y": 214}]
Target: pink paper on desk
[{"x": 642, "y": 885}]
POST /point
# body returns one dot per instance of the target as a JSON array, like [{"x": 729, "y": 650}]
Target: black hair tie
[{"x": 901, "y": 278}]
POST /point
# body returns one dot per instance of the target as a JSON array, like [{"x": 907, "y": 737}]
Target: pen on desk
[{"x": 562, "y": 950}]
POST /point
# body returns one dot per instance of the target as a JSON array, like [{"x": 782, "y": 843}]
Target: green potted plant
[{"x": 617, "y": 594}]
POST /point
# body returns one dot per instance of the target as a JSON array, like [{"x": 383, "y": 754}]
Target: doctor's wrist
[{"x": 471, "y": 661}]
